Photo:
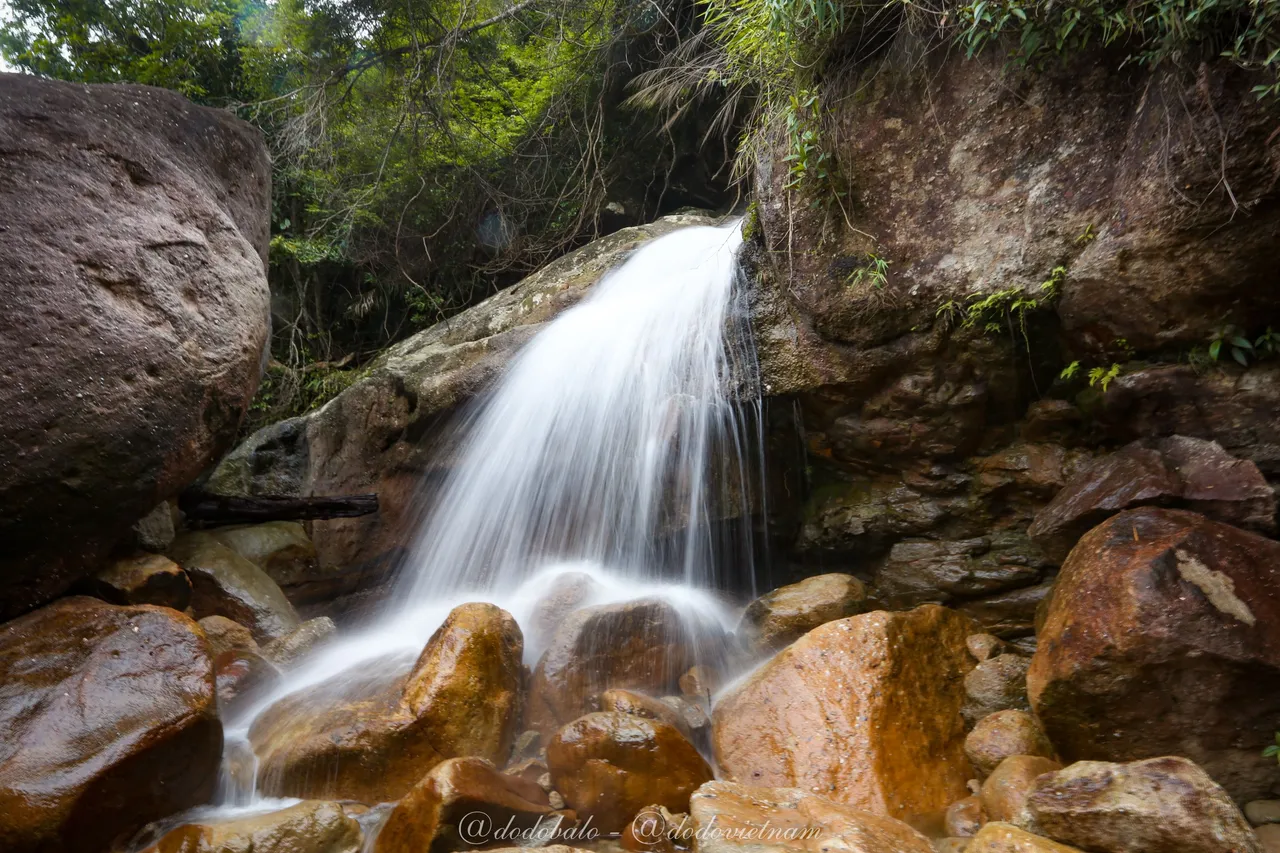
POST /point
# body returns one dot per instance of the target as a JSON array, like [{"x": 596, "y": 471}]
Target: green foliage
[
  {"x": 1232, "y": 341},
  {"x": 287, "y": 391},
  {"x": 1273, "y": 751},
  {"x": 874, "y": 270},
  {"x": 1152, "y": 31},
  {"x": 1103, "y": 376},
  {"x": 1070, "y": 371},
  {"x": 1004, "y": 308},
  {"x": 807, "y": 161}
]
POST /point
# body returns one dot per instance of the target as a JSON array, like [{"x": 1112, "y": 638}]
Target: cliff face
[{"x": 1029, "y": 221}]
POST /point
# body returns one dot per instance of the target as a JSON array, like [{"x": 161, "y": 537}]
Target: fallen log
[{"x": 205, "y": 509}]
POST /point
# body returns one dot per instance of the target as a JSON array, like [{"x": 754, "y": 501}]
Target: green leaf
[
  {"x": 1214, "y": 349},
  {"x": 1238, "y": 355},
  {"x": 1241, "y": 342}
]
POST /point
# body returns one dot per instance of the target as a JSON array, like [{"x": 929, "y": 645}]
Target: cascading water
[{"x": 613, "y": 446}]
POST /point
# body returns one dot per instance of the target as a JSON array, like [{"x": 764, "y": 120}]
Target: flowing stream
[{"x": 615, "y": 446}]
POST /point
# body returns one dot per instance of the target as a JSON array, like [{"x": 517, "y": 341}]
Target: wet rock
[
  {"x": 1261, "y": 812},
  {"x": 155, "y": 531},
  {"x": 464, "y": 803},
  {"x": 752, "y": 818},
  {"x": 630, "y": 702},
  {"x": 696, "y": 722},
  {"x": 950, "y": 845},
  {"x": 308, "y": 827},
  {"x": 1163, "y": 637},
  {"x": 788, "y": 613},
  {"x": 132, "y": 264},
  {"x": 998, "y": 684},
  {"x": 1005, "y": 791},
  {"x": 985, "y": 646},
  {"x": 109, "y": 722},
  {"x": 965, "y": 817},
  {"x": 142, "y": 579},
  {"x": 926, "y": 570},
  {"x": 1003, "y": 734},
  {"x": 1175, "y": 471},
  {"x": 610, "y": 765},
  {"x": 1162, "y": 805},
  {"x": 1012, "y": 614},
  {"x": 1007, "y": 838},
  {"x": 868, "y": 516},
  {"x": 300, "y": 642},
  {"x": 864, "y": 710},
  {"x": 225, "y": 635},
  {"x": 655, "y": 829},
  {"x": 371, "y": 735},
  {"x": 568, "y": 592},
  {"x": 242, "y": 676},
  {"x": 283, "y": 550},
  {"x": 1268, "y": 837},
  {"x": 530, "y": 770},
  {"x": 639, "y": 645},
  {"x": 700, "y": 682},
  {"x": 225, "y": 584}
]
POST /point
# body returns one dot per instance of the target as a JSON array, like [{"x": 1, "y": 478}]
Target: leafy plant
[
  {"x": 1103, "y": 376},
  {"x": 1273, "y": 751},
  {"x": 1230, "y": 339},
  {"x": 1070, "y": 371},
  {"x": 874, "y": 271},
  {"x": 1267, "y": 344}
]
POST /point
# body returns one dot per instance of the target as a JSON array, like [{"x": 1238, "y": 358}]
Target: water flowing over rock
[
  {"x": 223, "y": 583},
  {"x": 610, "y": 765},
  {"x": 865, "y": 711},
  {"x": 371, "y": 735},
  {"x": 1162, "y": 805},
  {"x": 780, "y": 617},
  {"x": 132, "y": 261},
  {"x": 430, "y": 816},
  {"x": 734, "y": 818},
  {"x": 1161, "y": 639},
  {"x": 308, "y": 827},
  {"x": 109, "y": 722}
]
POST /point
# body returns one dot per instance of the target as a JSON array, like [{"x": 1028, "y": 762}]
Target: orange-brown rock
[
  {"x": 370, "y": 736},
  {"x": 631, "y": 702},
  {"x": 733, "y": 818},
  {"x": 1268, "y": 837},
  {"x": 700, "y": 682},
  {"x": 610, "y": 765},
  {"x": 242, "y": 675},
  {"x": 225, "y": 584},
  {"x": 985, "y": 646},
  {"x": 641, "y": 645},
  {"x": 1007, "y": 838},
  {"x": 1001, "y": 735},
  {"x": 864, "y": 710},
  {"x": 656, "y": 829},
  {"x": 142, "y": 579},
  {"x": 783, "y": 616},
  {"x": 965, "y": 817},
  {"x": 285, "y": 552},
  {"x": 1163, "y": 638},
  {"x": 1162, "y": 805},
  {"x": 226, "y": 635},
  {"x": 312, "y": 826},
  {"x": 109, "y": 721},
  {"x": 464, "y": 803},
  {"x": 1006, "y": 789}
]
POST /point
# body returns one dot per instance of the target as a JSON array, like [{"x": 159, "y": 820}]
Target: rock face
[
  {"x": 225, "y": 584},
  {"x": 374, "y": 437},
  {"x": 753, "y": 819},
  {"x": 142, "y": 579},
  {"x": 463, "y": 789},
  {"x": 609, "y": 765},
  {"x": 786, "y": 614},
  {"x": 109, "y": 722},
  {"x": 133, "y": 267},
  {"x": 308, "y": 827},
  {"x": 285, "y": 552},
  {"x": 1174, "y": 471},
  {"x": 1163, "y": 805},
  {"x": 865, "y": 710},
  {"x": 370, "y": 736},
  {"x": 1162, "y": 639},
  {"x": 642, "y": 645}
]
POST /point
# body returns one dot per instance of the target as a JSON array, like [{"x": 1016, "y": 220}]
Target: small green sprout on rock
[{"x": 1273, "y": 751}]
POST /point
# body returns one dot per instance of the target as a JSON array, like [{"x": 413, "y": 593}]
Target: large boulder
[
  {"x": 1162, "y": 805},
  {"x": 733, "y": 818},
  {"x": 864, "y": 710},
  {"x": 1001, "y": 735},
  {"x": 1163, "y": 638},
  {"x": 374, "y": 436},
  {"x": 647, "y": 649},
  {"x": 223, "y": 583},
  {"x": 777, "y": 618},
  {"x": 141, "y": 579},
  {"x": 132, "y": 261},
  {"x": 283, "y": 550},
  {"x": 312, "y": 826},
  {"x": 609, "y": 765},
  {"x": 370, "y": 736},
  {"x": 109, "y": 722}
]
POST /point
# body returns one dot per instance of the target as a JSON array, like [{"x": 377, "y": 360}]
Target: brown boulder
[
  {"x": 1175, "y": 471},
  {"x": 142, "y": 579},
  {"x": 1001, "y": 735},
  {"x": 630, "y": 702},
  {"x": 283, "y": 550},
  {"x": 311, "y": 826},
  {"x": 300, "y": 642},
  {"x": 865, "y": 710},
  {"x": 242, "y": 675},
  {"x": 985, "y": 646},
  {"x": 132, "y": 264},
  {"x": 998, "y": 684},
  {"x": 788, "y": 613},
  {"x": 226, "y": 635},
  {"x": 610, "y": 765},
  {"x": 733, "y": 818},
  {"x": 370, "y": 736},
  {"x": 964, "y": 817},
  {"x": 1268, "y": 837},
  {"x": 225, "y": 584},
  {"x": 465, "y": 803},
  {"x": 1007, "y": 838},
  {"x": 1162, "y": 805},
  {"x": 1005, "y": 790},
  {"x": 1164, "y": 638},
  {"x": 567, "y": 592},
  {"x": 647, "y": 650},
  {"x": 655, "y": 829},
  {"x": 919, "y": 571},
  {"x": 109, "y": 722}
]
